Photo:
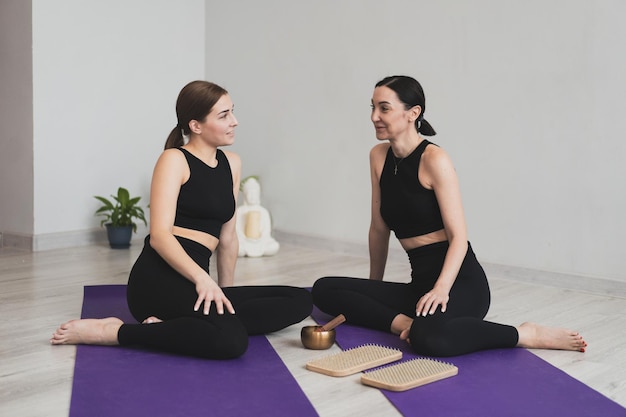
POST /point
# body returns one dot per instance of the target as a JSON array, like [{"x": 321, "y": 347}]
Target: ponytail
[
  {"x": 175, "y": 138},
  {"x": 424, "y": 127}
]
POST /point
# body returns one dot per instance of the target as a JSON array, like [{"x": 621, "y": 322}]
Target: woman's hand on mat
[
  {"x": 208, "y": 291},
  {"x": 429, "y": 302}
]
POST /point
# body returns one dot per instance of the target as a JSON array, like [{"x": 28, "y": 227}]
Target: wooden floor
[{"x": 40, "y": 290}]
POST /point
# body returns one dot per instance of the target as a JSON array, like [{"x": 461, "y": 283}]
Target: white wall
[
  {"x": 16, "y": 118},
  {"x": 106, "y": 76},
  {"x": 527, "y": 98}
]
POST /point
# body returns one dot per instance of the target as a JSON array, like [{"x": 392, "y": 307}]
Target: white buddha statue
[{"x": 254, "y": 225}]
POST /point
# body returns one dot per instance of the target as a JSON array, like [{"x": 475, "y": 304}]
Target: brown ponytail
[{"x": 175, "y": 139}]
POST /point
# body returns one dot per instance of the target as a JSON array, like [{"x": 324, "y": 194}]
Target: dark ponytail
[
  {"x": 424, "y": 127},
  {"x": 411, "y": 93},
  {"x": 195, "y": 101}
]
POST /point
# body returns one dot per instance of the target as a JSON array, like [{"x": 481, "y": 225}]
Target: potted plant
[{"x": 119, "y": 217}]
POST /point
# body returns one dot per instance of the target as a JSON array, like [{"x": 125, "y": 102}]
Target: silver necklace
[{"x": 396, "y": 162}]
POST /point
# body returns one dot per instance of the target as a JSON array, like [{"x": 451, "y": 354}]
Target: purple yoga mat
[
  {"x": 499, "y": 382},
  {"x": 117, "y": 381}
]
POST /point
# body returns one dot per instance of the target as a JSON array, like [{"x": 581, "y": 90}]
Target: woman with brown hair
[{"x": 192, "y": 205}]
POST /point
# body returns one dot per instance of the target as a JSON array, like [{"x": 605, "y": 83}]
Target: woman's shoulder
[
  {"x": 437, "y": 164},
  {"x": 435, "y": 155},
  {"x": 379, "y": 150},
  {"x": 172, "y": 156},
  {"x": 233, "y": 160},
  {"x": 378, "y": 154},
  {"x": 232, "y": 157},
  {"x": 171, "y": 164}
]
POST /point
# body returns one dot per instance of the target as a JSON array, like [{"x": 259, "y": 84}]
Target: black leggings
[
  {"x": 156, "y": 289},
  {"x": 461, "y": 329}
]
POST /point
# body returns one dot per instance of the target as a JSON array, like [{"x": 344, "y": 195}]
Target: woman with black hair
[{"x": 415, "y": 193}]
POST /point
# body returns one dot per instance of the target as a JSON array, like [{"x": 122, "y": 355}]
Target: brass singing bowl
[{"x": 313, "y": 338}]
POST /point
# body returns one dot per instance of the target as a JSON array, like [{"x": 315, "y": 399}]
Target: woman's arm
[
  {"x": 228, "y": 248},
  {"x": 440, "y": 175},
  {"x": 170, "y": 172},
  {"x": 379, "y": 232}
]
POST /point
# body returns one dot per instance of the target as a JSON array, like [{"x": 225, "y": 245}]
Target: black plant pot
[{"x": 119, "y": 236}]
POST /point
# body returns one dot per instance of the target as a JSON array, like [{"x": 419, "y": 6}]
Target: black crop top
[
  {"x": 206, "y": 200},
  {"x": 406, "y": 206}
]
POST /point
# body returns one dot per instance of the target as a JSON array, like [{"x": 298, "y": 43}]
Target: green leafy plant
[{"x": 123, "y": 211}]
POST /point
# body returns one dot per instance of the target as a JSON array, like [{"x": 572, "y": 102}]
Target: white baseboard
[
  {"x": 62, "y": 240},
  {"x": 49, "y": 241},
  {"x": 593, "y": 285},
  {"x": 321, "y": 243}
]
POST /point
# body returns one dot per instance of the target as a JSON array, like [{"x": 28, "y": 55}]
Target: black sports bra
[
  {"x": 206, "y": 200},
  {"x": 406, "y": 206}
]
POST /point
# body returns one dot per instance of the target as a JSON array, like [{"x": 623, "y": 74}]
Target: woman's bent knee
[
  {"x": 431, "y": 341},
  {"x": 233, "y": 348},
  {"x": 229, "y": 345},
  {"x": 437, "y": 347},
  {"x": 320, "y": 289}
]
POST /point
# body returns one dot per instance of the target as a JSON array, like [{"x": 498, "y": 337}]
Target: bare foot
[
  {"x": 152, "y": 319},
  {"x": 405, "y": 335},
  {"x": 88, "y": 332},
  {"x": 535, "y": 336},
  {"x": 401, "y": 325}
]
